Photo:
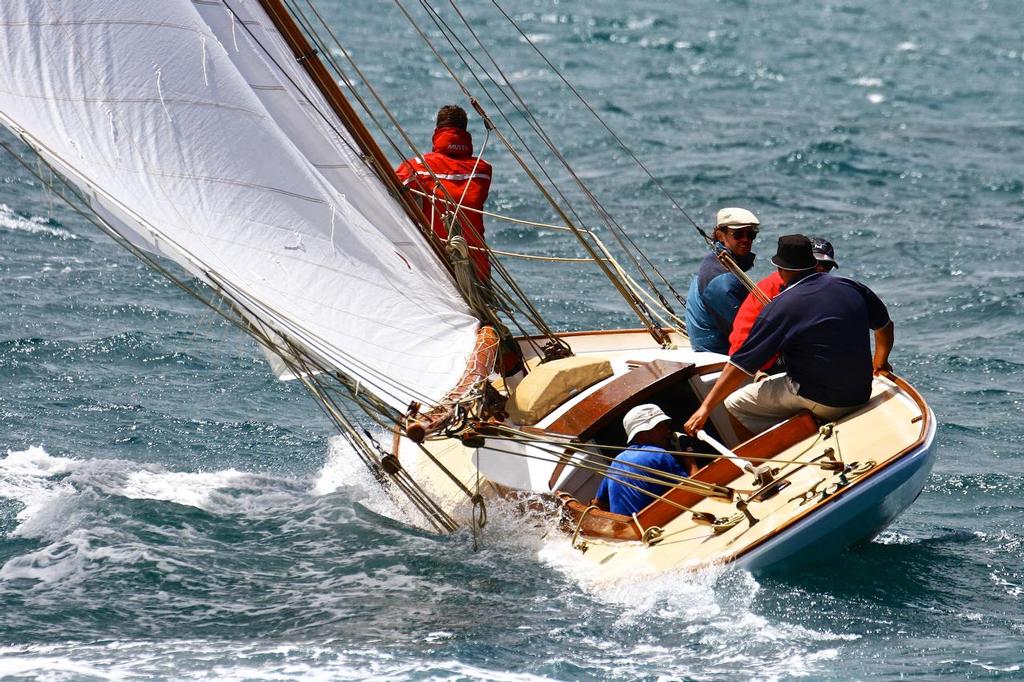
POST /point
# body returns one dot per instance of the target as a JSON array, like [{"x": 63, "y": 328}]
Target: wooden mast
[
  {"x": 307, "y": 56},
  {"x": 482, "y": 359}
]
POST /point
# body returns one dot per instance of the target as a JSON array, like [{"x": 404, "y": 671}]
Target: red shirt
[
  {"x": 750, "y": 309},
  {"x": 465, "y": 178}
]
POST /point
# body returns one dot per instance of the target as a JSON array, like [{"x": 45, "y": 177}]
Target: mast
[{"x": 308, "y": 57}]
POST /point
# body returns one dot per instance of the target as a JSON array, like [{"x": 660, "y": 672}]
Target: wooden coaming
[
  {"x": 595, "y": 411},
  {"x": 721, "y": 472}
]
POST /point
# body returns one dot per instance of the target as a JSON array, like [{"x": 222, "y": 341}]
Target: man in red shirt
[
  {"x": 453, "y": 180},
  {"x": 771, "y": 285}
]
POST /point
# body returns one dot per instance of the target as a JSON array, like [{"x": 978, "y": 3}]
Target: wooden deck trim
[
  {"x": 922, "y": 434},
  {"x": 721, "y": 471},
  {"x": 593, "y": 413}
]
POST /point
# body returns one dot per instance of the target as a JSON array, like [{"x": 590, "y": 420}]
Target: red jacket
[
  {"x": 750, "y": 309},
  {"x": 466, "y": 179}
]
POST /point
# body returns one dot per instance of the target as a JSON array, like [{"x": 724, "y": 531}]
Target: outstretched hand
[{"x": 696, "y": 421}]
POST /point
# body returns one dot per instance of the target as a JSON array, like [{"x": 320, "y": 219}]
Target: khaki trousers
[{"x": 763, "y": 404}]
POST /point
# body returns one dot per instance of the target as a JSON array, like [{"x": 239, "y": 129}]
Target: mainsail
[{"x": 193, "y": 132}]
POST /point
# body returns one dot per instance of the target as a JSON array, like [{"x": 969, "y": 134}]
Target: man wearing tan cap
[{"x": 715, "y": 293}]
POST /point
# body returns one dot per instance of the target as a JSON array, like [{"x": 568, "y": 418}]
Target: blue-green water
[{"x": 168, "y": 510}]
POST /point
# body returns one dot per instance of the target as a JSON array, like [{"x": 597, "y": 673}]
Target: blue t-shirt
[
  {"x": 621, "y": 499},
  {"x": 821, "y": 325},
  {"x": 711, "y": 303}
]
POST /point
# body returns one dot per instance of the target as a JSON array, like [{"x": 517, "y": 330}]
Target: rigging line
[
  {"x": 526, "y": 256},
  {"x": 218, "y": 286},
  {"x": 616, "y": 478},
  {"x": 531, "y": 311},
  {"x": 522, "y": 437},
  {"x": 413, "y": 492},
  {"x": 450, "y": 36},
  {"x": 660, "y": 476},
  {"x": 538, "y": 129},
  {"x": 611, "y": 132},
  {"x": 502, "y": 216},
  {"x": 446, "y": 471},
  {"x": 613, "y": 224},
  {"x": 198, "y": 263},
  {"x": 313, "y": 384},
  {"x": 472, "y": 173},
  {"x": 637, "y": 306},
  {"x": 533, "y": 314},
  {"x": 677, "y": 322},
  {"x": 312, "y": 370}
]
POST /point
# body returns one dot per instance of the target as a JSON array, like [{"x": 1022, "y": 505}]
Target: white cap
[
  {"x": 736, "y": 217},
  {"x": 642, "y": 418}
]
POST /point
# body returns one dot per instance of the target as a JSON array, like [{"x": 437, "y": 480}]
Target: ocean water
[{"x": 170, "y": 511}]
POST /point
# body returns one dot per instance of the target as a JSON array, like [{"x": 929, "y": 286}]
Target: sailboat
[{"x": 214, "y": 140}]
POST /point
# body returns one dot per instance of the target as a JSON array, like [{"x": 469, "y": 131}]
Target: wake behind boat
[{"x": 216, "y": 135}]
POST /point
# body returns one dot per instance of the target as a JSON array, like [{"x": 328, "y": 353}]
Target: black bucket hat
[{"x": 794, "y": 253}]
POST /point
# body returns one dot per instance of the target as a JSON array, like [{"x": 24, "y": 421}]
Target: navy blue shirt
[
  {"x": 821, "y": 324},
  {"x": 620, "y": 498}
]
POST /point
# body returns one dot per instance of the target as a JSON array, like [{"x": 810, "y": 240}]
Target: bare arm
[
  {"x": 885, "y": 338},
  {"x": 731, "y": 378}
]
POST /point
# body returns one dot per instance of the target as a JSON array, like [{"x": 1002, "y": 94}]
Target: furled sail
[{"x": 192, "y": 130}]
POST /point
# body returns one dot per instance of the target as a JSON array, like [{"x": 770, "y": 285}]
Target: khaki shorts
[{"x": 763, "y": 404}]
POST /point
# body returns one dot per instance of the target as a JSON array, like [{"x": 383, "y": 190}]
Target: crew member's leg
[{"x": 763, "y": 404}]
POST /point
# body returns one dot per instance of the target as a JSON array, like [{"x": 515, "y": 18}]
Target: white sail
[{"x": 192, "y": 130}]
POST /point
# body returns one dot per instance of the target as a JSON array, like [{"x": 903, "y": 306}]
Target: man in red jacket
[{"x": 453, "y": 180}]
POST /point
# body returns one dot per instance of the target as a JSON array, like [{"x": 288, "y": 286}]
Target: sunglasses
[{"x": 749, "y": 232}]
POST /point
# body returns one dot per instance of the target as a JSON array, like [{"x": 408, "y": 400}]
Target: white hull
[{"x": 885, "y": 448}]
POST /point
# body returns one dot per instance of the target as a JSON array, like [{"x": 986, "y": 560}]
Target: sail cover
[{"x": 192, "y": 130}]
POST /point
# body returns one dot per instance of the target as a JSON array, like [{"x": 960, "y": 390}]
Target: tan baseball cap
[{"x": 736, "y": 217}]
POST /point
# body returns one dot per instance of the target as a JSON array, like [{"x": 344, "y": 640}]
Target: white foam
[
  {"x": 27, "y": 476},
  {"x": 10, "y": 220},
  {"x": 46, "y": 485},
  {"x": 227, "y": 661},
  {"x": 343, "y": 469},
  {"x": 868, "y": 82},
  {"x": 191, "y": 489}
]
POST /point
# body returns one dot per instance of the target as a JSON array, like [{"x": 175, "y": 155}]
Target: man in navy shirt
[
  {"x": 715, "y": 293},
  {"x": 626, "y": 490},
  {"x": 820, "y": 323}
]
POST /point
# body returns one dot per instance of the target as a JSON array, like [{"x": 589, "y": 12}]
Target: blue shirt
[
  {"x": 821, "y": 324},
  {"x": 620, "y": 498},
  {"x": 714, "y": 297}
]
